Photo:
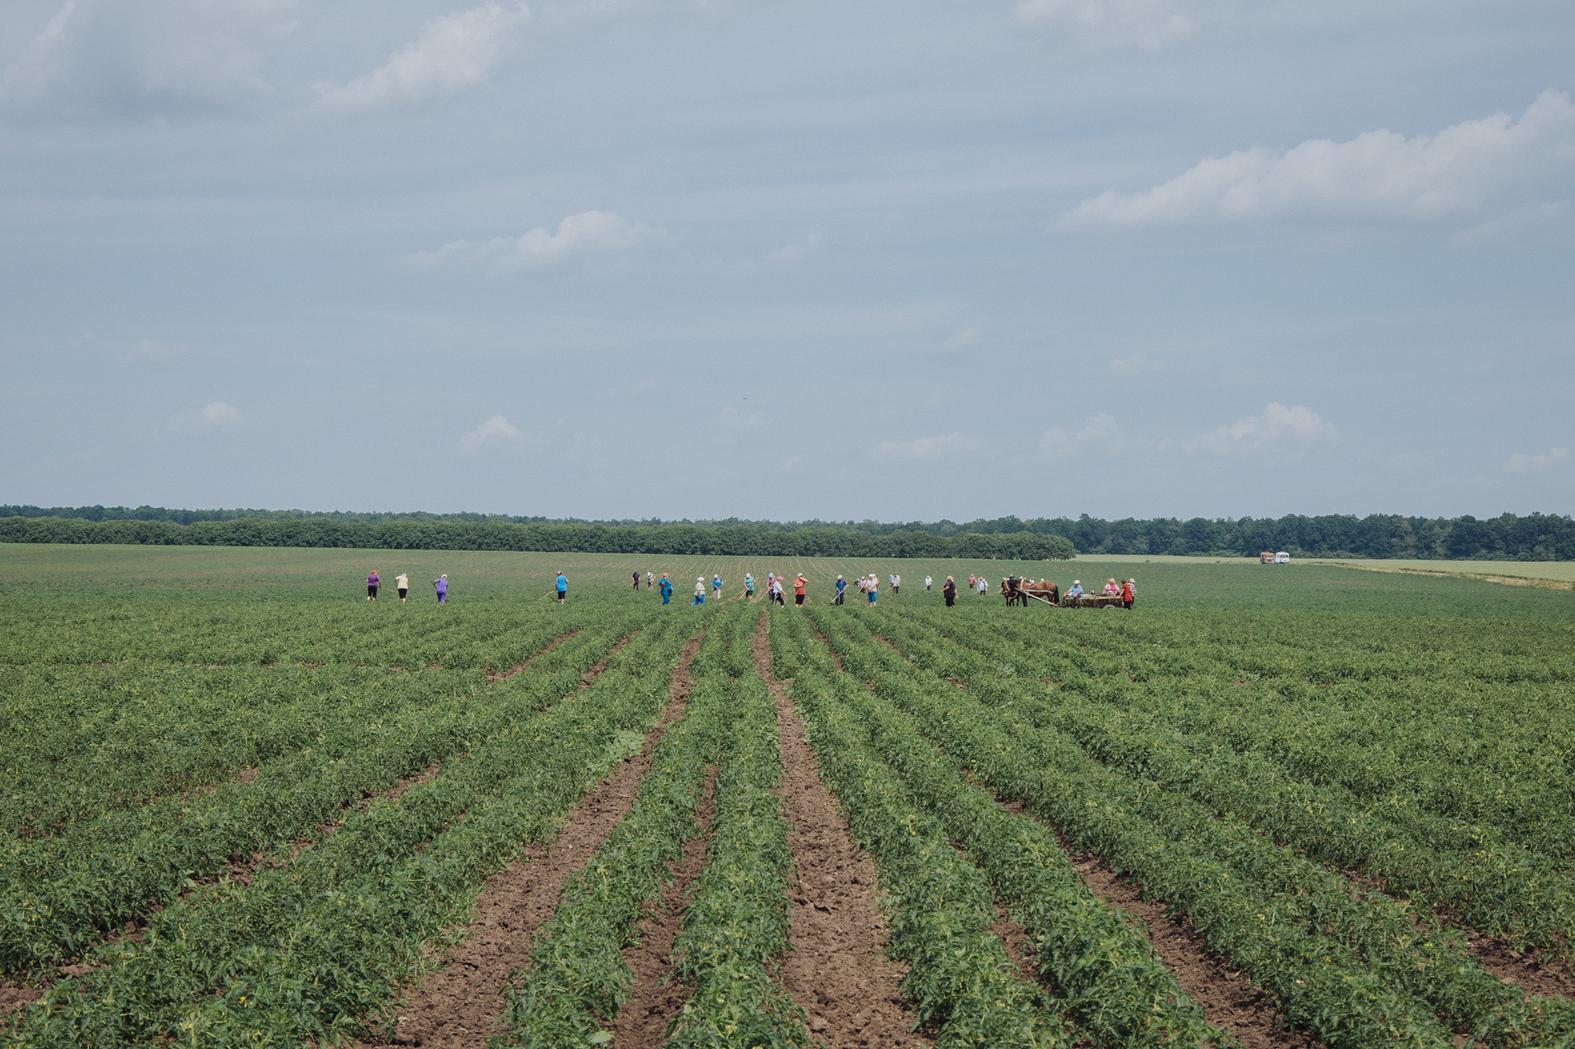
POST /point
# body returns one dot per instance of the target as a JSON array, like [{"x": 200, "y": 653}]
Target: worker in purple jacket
[{"x": 440, "y": 584}]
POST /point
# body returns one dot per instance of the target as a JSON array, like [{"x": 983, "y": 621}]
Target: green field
[{"x": 243, "y": 806}]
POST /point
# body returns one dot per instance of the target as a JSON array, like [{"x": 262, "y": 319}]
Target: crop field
[{"x": 1295, "y": 806}]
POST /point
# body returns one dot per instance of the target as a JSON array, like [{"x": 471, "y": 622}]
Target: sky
[{"x": 709, "y": 258}]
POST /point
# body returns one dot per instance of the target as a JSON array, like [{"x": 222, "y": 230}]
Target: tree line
[
  {"x": 1511, "y": 537},
  {"x": 742, "y": 539}
]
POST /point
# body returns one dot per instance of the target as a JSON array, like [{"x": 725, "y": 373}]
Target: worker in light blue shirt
[
  {"x": 563, "y": 586},
  {"x": 666, "y": 587}
]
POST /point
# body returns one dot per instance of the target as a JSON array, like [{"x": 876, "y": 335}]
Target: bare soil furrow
[
  {"x": 14, "y": 996},
  {"x": 494, "y": 676},
  {"x": 461, "y": 1003},
  {"x": 1229, "y": 1000},
  {"x": 643, "y": 1020},
  {"x": 836, "y": 968},
  {"x": 1533, "y": 971},
  {"x": 1018, "y": 948}
]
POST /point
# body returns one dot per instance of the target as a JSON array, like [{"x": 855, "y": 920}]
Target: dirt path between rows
[
  {"x": 1534, "y": 971},
  {"x": 836, "y": 967},
  {"x": 494, "y": 676},
  {"x": 462, "y": 1003},
  {"x": 1229, "y": 1000},
  {"x": 655, "y": 999}
]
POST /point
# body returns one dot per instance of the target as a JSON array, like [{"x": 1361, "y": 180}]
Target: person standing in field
[
  {"x": 984, "y": 586},
  {"x": 842, "y": 587},
  {"x": 896, "y": 584},
  {"x": 636, "y": 580},
  {"x": 402, "y": 584},
  {"x": 440, "y": 584},
  {"x": 1128, "y": 595},
  {"x": 666, "y": 588},
  {"x": 928, "y": 583},
  {"x": 949, "y": 591},
  {"x": 648, "y": 579},
  {"x": 872, "y": 588},
  {"x": 699, "y": 591},
  {"x": 800, "y": 584},
  {"x": 972, "y": 581},
  {"x": 562, "y": 584},
  {"x": 749, "y": 586},
  {"x": 716, "y": 586},
  {"x": 372, "y": 583}
]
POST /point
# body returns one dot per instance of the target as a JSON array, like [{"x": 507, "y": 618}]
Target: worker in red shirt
[
  {"x": 799, "y": 585},
  {"x": 1128, "y": 595}
]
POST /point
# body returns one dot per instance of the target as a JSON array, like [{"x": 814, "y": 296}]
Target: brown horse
[{"x": 1026, "y": 589}]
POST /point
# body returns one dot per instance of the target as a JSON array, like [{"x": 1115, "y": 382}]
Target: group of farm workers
[
  {"x": 374, "y": 582},
  {"x": 868, "y": 585}
]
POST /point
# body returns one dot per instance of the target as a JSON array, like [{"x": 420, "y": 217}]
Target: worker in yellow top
[{"x": 402, "y": 584}]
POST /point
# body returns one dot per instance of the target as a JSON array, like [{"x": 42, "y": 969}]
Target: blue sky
[{"x": 886, "y": 260}]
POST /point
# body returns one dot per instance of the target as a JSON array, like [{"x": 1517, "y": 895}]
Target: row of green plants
[
  {"x": 1353, "y": 969},
  {"x": 59, "y": 895},
  {"x": 1448, "y": 737},
  {"x": 735, "y": 928},
  {"x": 312, "y": 947},
  {"x": 1490, "y": 884},
  {"x": 577, "y": 977},
  {"x": 206, "y": 630},
  {"x": 961, "y": 980},
  {"x": 1104, "y": 970},
  {"x": 91, "y": 740}
]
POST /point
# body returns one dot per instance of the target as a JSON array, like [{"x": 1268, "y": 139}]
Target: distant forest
[{"x": 1534, "y": 537}]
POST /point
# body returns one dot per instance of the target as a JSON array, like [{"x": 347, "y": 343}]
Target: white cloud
[
  {"x": 586, "y": 232},
  {"x": 921, "y": 449},
  {"x": 1535, "y": 462},
  {"x": 1461, "y": 171},
  {"x": 1136, "y": 364},
  {"x": 1145, "y": 24},
  {"x": 1098, "y": 432},
  {"x": 152, "y": 351},
  {"x": 455, "y": 52},
  {"x": 736, "y": 423},
  {"x": 215, "y": 415},
  {"x": 961, "y": 340},
  {"x": 111, "y": 58},
  {"x": 492, "y": 432},
  {"x": 1280, "y": 430},
  {"x": 799, "y": 249},
  {"x": 586, "y": 449}
]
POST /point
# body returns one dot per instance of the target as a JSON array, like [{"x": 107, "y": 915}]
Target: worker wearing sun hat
[
  {"x": 699, "y": 590},
  {"x": 1076, "y": 590}
]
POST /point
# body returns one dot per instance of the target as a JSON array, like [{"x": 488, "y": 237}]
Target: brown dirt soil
[
  {"x": 494, "y": 676},
  {"x": 655, "y": 999},
  {"x": 14, "y": 996},
  {"x": 836, "y": 967},
  {"x": 1015, "y": 939},
  {"x": 1532, "y": 971},
  {"x": 1228, "y": 998},
  {"x": 461, "y": 1004}
]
